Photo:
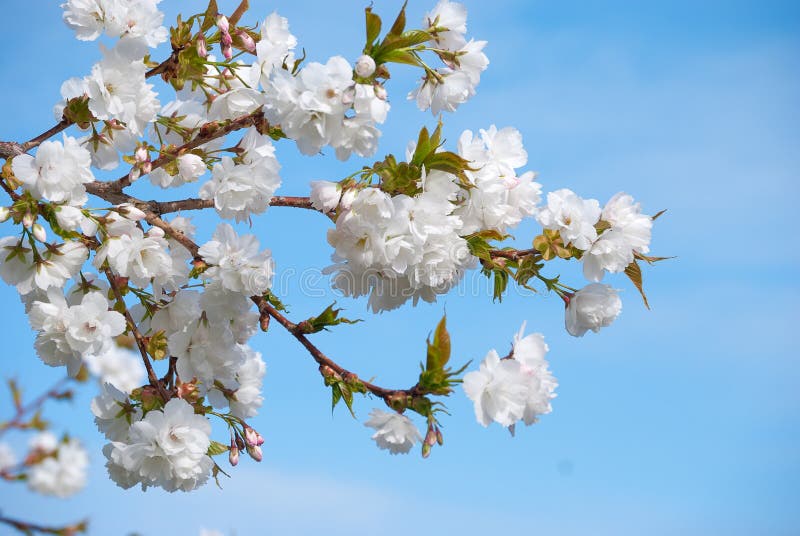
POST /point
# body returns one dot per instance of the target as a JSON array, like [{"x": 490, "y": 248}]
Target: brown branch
[
  {"x": 137, "y": 335},
  {"x": 47, "y": 134},
  {"x": 166, "y": 207},
  {"x": 265, "y": 308},
  {"x": 33, "y": 405},
  {"x": 26, "y": 527},
  {"x": 208, "y": 132},
  {"x": 513, "y": 254}
]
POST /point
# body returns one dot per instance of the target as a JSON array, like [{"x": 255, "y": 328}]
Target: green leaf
[
  {"x": 157, "y": 345},
  {"x": 500, "y": 284},
  {"x": 215, "y": 448},
  {"x": 439, "y": 349},
  {"x": 400, "y": 22},
  {"x": 634, "y": 273},
  {"x": 210, "y": 16},
  {"x": 328, "y": 317},
  {"x": 373, "y": 27}
]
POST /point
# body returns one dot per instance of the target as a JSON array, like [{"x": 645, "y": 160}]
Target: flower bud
[
  {"x": 255, "y": 452},
  {"x": 430, "y": 437},
  {"x": 5, "y": 213},
  {"x": 223, "y": 24},
  {"x": 365, "y": 66},
  {"x": 202, "y": 49},
  {"x": 131, "y": 212},
  {"x": 226, "y": 40},
  {"x": 439, "y": 437},
  {"x": 156, "y": 232},
  {"x": 247, "y": 42},
  {"x": 141, "y": 154},
  {"x": 134, "y": 174},
  {"x": 251, "y": 436},
  {"x": 426, "y": 450},
  {"x": 38, "y": 232},
  {"x": 227, "y": 51},
  {"x": 233, "y": 454},
  {"x": 27, "y": 220},
  {"x": 147, "y": 167}
]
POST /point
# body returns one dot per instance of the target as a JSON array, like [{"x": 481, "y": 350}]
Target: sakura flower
[
  {"x": 574, "y": 218},
  {"x": 393, "y": 431},
  {"x": 63, "y": 473},
  {"x": 167, "y": 449},
  {"x": 118, "y": 367},
  {"x": 593, "y": 307},
  {"x": 57, "y": 172},
  {"x": 236, "y": 262},
  {"x": 113, "y": 413},
  {"x": 239, "y": 190},
  {"x": 499, "y": 390},
  {"x": 325, "y": 195}
]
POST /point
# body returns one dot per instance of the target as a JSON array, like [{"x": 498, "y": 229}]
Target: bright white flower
[
  {"x": 118, "y": 18},
  {"x": 190, "y": 167},
  {"x": 136, "y": 256},
  {"x": 274, "y": 48},
  {"x": 117, "y": 87},
  {"x": 91, "y": 326},
  {"x": 235, "y": 103},
  {"x": 7, "y": 457},
  {"x": 166, "y": 449},
  {"x": 63, "y": 473},
  {"x": 471, "y": 60},
  {"x": 393, "y": 432},
  {"x": 500, "y": 198},
  {"x": 593, "y": 307},
  {"x": 451, "y": 17},
  {"x": 325, "y": 195},
  {"x": 117, "y": 366},
  {"x": 239, "y": 190},
  {"x": 87, "y": 17},
  {"x": 614, "y": 249},
  {"x": 53, "y": 268},
  {"x": 250, "y": 376},
  {"x": 445, "y": 93},
  {"x": 57, "y": 172},
  {"x": 232, "y": 310},
  {"x": 113, "y": 413},
  {"x": 529, "y": 351},
  {"x": 72, "y": 218},
  {"x": 499, "y": 390},
  {"x": 207, "y": 352},
  {"x": 236, "y": 262},
  {"x": 574, "y": 218}
]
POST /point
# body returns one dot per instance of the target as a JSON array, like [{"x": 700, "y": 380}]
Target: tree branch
[
  {"x": 137, "y": 335},
  {"x": 26, "y": 527},
  {"x": 33, "y": 405}
]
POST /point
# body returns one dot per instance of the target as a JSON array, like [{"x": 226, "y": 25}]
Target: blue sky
[{"x": 682, "y": 419}]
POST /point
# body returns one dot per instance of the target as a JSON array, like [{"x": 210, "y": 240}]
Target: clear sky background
[{"x": 679, "y": 420}]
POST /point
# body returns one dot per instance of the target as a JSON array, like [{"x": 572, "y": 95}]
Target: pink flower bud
[
  {"x": 147, "y": 167},
  {"x": 38, "y": 232},
  {"x": 255, "y": 452},
  {"x": 226, "y": 40},
  {"x": 233, "y": 455},
  {"x": 251, "y": 436},
  {"x": 227, "y": 51},
  {"x": 27, "y": 220},
  {"x": 134, "y": 174},
  {"x": 247, "y": 42},
  {"x": 141, "y": 154},
  {"x": 223, "y": 24},
  {"x": 430, "y": 437},
  {"x": 202, "y": 50}
]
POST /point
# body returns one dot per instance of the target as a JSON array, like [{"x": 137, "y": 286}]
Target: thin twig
[{"x": 33, "y": 405}]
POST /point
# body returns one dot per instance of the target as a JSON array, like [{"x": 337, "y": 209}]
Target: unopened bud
[
  {"x": 247, "y": 42},
  {"x": 380, "y": 92},
  {"x": 5, "y": 213},
  {"x": 38, "y": 232},
  {"x": 27, "y": 220},
  {"x": 430, "y": 437},
  {"x": 240, "y": 443},
  {"x": 147, "y": 167},
  {"x": 141, "y": 154},
  {"x": 223, "y": 24},
  {"x": 227, "y": 51},
  {"x": 426, "y": 450},
  {"x": 226, "y": 40},
  {"x": 439, "y": 437},
  {"x": 156, "y": 232},
  {"x": 233, "y": 454},
  {"x": 202, "y": 50},
  {"x": 131, "y": 212},
  {"x": 365, "y": 66},
  {"x": 255, "y": 452},
  {"x": 251, "y": 436}
]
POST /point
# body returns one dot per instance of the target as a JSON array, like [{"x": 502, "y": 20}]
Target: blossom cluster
[{"x": 126, "y": 294}]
